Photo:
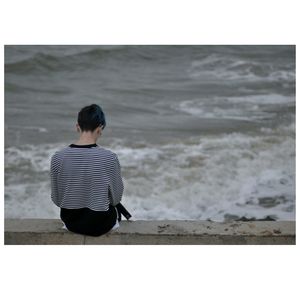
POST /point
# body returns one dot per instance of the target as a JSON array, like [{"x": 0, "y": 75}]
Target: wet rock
[
  {"x": 283, "y": 181},
  {"x": 162, "y": 228},
  {"x": 269, "y": 202},
  {"x": 231, "y": 217},
  {"x": 277, "y": 231},
  {"x": 268, "y": 218}
]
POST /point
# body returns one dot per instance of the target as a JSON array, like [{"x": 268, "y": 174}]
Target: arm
[
  {"x": 53, "y": 179},
  {"x": 115, "y": 187}
]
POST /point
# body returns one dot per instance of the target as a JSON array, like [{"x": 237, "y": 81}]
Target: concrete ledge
[{"x": 49, "y": 231}]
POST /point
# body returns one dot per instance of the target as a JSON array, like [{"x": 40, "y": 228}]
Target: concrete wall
[{"x": 49, "y": 231}]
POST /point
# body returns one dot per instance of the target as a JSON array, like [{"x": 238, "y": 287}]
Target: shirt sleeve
[
  {"x": 116, "y": 186},
  {"x": 53, "y": 179}
]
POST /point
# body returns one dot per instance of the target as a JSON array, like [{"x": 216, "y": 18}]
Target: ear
[{"x": 77, "y": 127}]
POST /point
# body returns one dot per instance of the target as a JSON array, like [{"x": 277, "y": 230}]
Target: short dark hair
[{"x": 90, "y": 117}]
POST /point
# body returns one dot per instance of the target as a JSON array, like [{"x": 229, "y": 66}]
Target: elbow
[
  {"x": 119, "y": 198},
  {"x": 116, "y": 197}
]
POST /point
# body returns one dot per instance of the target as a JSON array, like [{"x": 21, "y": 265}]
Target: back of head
[{"x": 90, "y": 117}]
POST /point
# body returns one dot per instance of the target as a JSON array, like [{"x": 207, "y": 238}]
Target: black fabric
[
  {"x": 122, "y": 210},
  {"x": 83, "y": 146},
  {"x": 88, "y": 222}
]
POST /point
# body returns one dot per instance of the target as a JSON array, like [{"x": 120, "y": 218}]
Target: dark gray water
[{"x": 202, "y": 132}]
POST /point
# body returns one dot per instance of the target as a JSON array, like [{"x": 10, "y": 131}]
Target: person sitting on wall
[{"x": 86, "y": 181}]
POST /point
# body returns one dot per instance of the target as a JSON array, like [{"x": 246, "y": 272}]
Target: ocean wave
[
  {"x": 248, "y": 108},
  {"x": 38, "y": 63},
  {"x": 218, "y": 176},
  {"x": 16, "y": 88},
  {"x": 200, "y": 178},
  {"x": 47, "y": 60},
  {"x": 264, "y": 99},
  {"x": 230, "y": 68}
]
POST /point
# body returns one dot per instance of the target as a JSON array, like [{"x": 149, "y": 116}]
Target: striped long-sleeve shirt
[{"x": 86, "y": 178}]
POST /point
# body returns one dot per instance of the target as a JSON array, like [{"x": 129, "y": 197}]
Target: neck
[{"x": 85, "y": 141}]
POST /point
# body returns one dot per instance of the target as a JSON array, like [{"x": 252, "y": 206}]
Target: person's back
[{"x": 86, "y": 181}]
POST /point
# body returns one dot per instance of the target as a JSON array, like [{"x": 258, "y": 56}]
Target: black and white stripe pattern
[{"x": 86, "y": 177}]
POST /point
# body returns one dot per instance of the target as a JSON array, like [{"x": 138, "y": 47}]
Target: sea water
[{"x": 201, "y": 132}]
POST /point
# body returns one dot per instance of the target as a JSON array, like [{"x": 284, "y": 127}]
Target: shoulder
[
  {"x": 107, "y": 152},
  {"x": 59, "y": 153}
]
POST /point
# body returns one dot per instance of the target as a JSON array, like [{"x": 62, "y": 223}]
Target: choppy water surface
[{"x": 202, "y": 132}]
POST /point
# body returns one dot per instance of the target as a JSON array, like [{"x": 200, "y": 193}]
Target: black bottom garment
[{"x": 89, "y": 222}]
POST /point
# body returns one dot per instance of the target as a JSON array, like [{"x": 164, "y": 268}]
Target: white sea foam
[
  {"x": 250, "y": 108},
  {"x": 39, "y": 129},
  {"x": 29, "y": 200},
  {"x": 229, "y": 68},
  {"x": 200, "y": 178},
  {"x": 263, "y": 99},
  {"x": 30, "y": 157},
  {"x": 218, "y": 175}
]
